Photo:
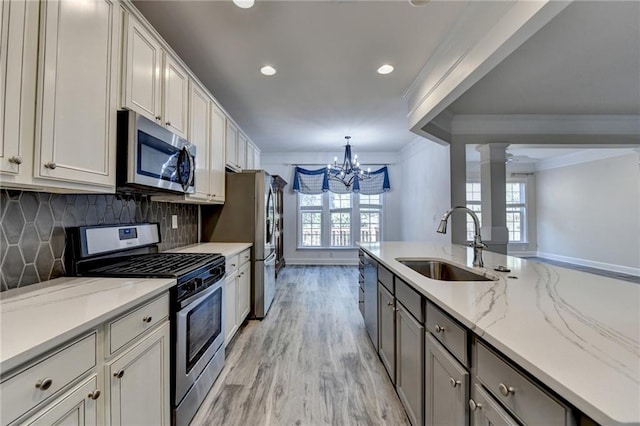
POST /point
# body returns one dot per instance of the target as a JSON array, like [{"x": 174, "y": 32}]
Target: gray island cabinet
[{"x": 445, "y": 373}]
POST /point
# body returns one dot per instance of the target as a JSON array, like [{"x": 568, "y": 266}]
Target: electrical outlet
[{"x": 174, "y": 221}]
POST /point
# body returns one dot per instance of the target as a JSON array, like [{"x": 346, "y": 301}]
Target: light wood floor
[{"x": 309, "y": 362}]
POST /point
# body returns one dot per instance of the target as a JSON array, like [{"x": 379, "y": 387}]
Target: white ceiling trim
[
  {"x": 581, "y": 157},
  {"x": 469, "y": 53},
  {"x": 534, "y": 124}
]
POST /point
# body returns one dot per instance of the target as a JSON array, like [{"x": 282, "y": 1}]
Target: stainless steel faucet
[{"x": 477, "y": 243}]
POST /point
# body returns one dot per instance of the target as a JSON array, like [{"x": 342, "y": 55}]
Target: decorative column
[{"x": 495, "y": 234}]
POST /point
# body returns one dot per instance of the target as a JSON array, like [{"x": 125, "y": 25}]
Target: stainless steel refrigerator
[{"x": 248, "y": 216}]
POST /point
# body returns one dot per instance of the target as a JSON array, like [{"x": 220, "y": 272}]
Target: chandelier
[{"x": 350, "y": 168}]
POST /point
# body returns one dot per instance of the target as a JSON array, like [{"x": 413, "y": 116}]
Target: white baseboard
[
  {"x": 321, "y": 261},
  {"x": 522, "y": 253},
  {"x": 591, "y": 263}
]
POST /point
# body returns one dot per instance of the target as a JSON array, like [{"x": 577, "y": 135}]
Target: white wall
[
  {"x": 425, "y": 193},
  {"x": 589, "y": 213},
  {"x": 282, "y": 164}
]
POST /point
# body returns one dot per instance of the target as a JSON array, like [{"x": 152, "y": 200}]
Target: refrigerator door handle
[{"x": 271, "y": 258}]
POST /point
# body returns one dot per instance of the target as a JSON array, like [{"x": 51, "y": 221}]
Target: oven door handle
[{"x": 198, "y": 298}]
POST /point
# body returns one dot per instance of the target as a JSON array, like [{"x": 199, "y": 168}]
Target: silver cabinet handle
[
  {"x": 158, "y": 118},
  {"x": 16, "y": 159},
  {"x": 233, "y": 265},
  {"x": 118, "y": 374},
  {"x": 439, "y": 329},
  {"x": 454, "y": 382},
  {"x": 147, "y": 319},
  {"x": 95, "y": 394},
  {"x": 44, "y": 384},
  {"x": 168, "y": 123},
  {"x": 50, "y": 165},
  {"x": 474, "y": 405},
  {"x": 389, "y": 303},
  {"x": 506, "y": 390}
]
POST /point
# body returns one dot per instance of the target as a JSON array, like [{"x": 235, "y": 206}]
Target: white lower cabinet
[
  {"x": 79, "y": 407},
  {"x": 94, "y": 379},
  {"x": 237, "y": 293},
  {"x": 139, "y": 385}
]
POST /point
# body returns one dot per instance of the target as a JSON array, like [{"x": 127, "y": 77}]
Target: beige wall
[{"x": 589, "y": 213}]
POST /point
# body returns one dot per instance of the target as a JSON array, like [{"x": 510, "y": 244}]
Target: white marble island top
[
  {"x": 577, "y": 333},
  {"x": 37, "y": 318}
]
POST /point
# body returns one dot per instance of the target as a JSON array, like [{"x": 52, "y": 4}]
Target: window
[
  {"x": 515, "y": 214},
  {"x": 311, "y": 219},
  {"x": 338, "y": 220}
]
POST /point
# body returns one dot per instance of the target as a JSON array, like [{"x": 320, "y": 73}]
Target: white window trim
[{"x": 325, "y": 229}]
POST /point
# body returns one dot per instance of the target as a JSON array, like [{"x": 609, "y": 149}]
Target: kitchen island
[{"x": 576, "y": 333}]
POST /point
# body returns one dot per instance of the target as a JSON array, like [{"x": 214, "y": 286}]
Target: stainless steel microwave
[{"x": 151, "y": 158}]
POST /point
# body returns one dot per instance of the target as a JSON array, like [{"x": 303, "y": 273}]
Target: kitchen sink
[{"x": 443, "y": 271}]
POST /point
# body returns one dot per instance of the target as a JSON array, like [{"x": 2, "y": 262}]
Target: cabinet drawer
[
  {"x": 25, "y": 390},
  {"x": 128, "y": 327},
  {"x": 410, "y": 299},
  {"x": 244, "y": 256},
  {"x": 231, "y": 264},
  {"x": 527, "y": 401},
  {"x": 452, "y": 335},
  {"x": 386, "y": 278}
]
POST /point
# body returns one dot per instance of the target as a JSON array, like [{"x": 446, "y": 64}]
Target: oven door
[{"x": 199, "y": 335}]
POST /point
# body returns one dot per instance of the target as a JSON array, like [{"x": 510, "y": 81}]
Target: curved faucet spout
[{"x": 477, "y": 244}]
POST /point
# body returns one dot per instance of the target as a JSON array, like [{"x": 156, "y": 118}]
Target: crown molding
[
  {"x": 581, "y": 157},
  {"x": 536, "y": 124}
]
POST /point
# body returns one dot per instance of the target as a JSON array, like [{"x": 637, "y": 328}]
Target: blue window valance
[{"x": 317, "y": 182}]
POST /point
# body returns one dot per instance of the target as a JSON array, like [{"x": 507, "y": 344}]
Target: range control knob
[{"x": 189, "y": 287}]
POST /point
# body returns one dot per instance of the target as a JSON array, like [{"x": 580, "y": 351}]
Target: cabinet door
[
  {"x": 176, "y": 97},
  {"x": 446, "y": 386},
  {"x": 217, "y": 159},
  {"x": 141, "y": 73},
  {"x": 76, "y": 407},
  {"x": 231, "y": 306},
  {"x": 13, "y": 25},
  {"x": 242, "y": 151},
  {"x": 78, "y": 88},
  {"x": 387, "y": 330},
  {"x": 244, "y": 292},
  {"x": 371, "y": 299},
  {"x": 256, "y": 158},
  {"x": 139, "y": 382},
  {"x": 199, "y": 136},
  {"x": 486, "y": 411},
  {"x": 231, "y": 145},
  {"x": 250, "y": 156},
  {"x": 410, "y": 363}
]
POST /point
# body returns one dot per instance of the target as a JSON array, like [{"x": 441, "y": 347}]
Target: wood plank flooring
[{"x": 309, "y": 362}]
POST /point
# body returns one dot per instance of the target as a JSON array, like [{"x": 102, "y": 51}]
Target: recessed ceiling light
[
  {"x": 418, "y": 3},
  {"x": 385, "y": 69},
  {"x": 244, "y": 4},
  {"x": 268, "y": 70}
]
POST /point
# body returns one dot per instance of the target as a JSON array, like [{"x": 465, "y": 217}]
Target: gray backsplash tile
[{"x": 33, "y": 237}]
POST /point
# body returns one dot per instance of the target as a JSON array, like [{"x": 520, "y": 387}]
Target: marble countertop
[
  {"x": 578, "y": 333},
  {"x": 226, "y": 249},
  {"x": 39, "y": 317}
]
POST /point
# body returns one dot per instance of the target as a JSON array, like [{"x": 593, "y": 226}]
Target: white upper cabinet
[
  {"x": 217, "y": 154},
  {"x": 77, "y": 96},
  {"x": 176, "y": 97},
  {"x": 199, "y": 136},
  {"x": 154, "y": 84},
  {"x": 251, "y": 152},
  {"x": 14, "y": 51},
  {"x": 231, "y": 145},
  {"x": 141, "y": 77},
  {"x": 242, "y": 151}
]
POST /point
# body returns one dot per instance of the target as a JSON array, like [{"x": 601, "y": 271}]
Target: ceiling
[
  {"x": 326, "y": 54},
  {"x": 585, "y": 61}
]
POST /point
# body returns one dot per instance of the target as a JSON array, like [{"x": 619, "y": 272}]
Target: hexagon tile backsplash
[{"x": 32, "y": 228}]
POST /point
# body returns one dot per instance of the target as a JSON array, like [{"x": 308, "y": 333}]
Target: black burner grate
[{"x": 156, "y": 264}]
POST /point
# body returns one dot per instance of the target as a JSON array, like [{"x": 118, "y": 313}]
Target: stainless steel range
[{"x": 197, "y": 301}]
